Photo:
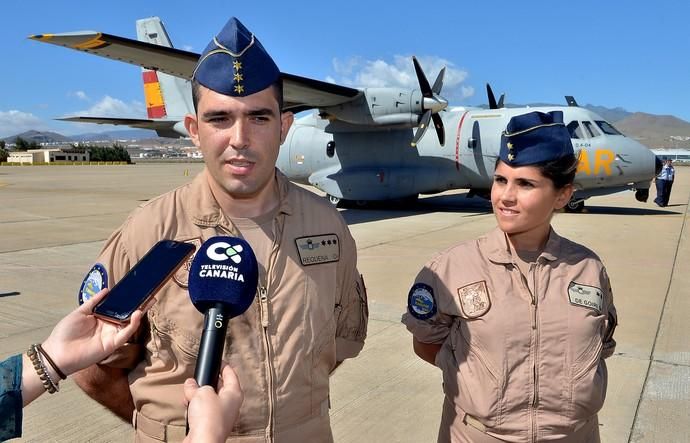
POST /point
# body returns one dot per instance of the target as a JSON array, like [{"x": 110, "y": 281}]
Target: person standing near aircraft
[
  {"x": 519, "y": 320},
  {"x": 310, "y": 312},
  {"x": 664, "y": 183},
  {"x": 79, "y": 340}
]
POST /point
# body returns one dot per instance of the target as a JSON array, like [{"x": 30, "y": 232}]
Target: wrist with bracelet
[{"x": 37, "y": 355}]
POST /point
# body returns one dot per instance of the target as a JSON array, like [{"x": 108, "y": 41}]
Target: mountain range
[{"x": 655, "y": 131}]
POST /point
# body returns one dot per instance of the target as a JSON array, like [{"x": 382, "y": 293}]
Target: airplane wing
[
  {"x": 300, "y": 93},
  {"x": 164, "y": 128}
]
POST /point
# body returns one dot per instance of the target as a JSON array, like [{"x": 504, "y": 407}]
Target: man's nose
[{"x": 239, "y": 135}]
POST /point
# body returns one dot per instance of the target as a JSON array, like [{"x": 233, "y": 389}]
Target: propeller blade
[
  {"x": 500, "y": 101},
  {"x": 423, "y": 125},
  {"x": 492, "y": 98},
  {"x": 440, "y": 131},
  {"x": 423, "y": 82},
  {"x": 438, "y": 84}
]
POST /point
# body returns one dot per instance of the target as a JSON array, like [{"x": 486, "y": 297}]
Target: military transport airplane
[{"x": 359, "y": 146}]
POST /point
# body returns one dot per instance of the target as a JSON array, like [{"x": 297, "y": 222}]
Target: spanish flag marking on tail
[{"x": 155, "y": 106}]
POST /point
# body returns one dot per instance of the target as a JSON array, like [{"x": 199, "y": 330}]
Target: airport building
[
  {"x": 49, "y": 155},
  {"x": 677, "y": 155}
]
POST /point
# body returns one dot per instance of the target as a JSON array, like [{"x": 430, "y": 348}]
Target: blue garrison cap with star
[
  {"x": 535, "y": 137},
  {"x": 235, "y": 63}
]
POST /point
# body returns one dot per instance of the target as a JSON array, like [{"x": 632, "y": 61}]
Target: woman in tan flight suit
[{"x": 519, "y": 320}]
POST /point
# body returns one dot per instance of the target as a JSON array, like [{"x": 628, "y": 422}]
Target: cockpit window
[
  {"x": 591, "y": 129},
  {"x": 575, "y": 129},
  {"x": 607, "y": 128}
]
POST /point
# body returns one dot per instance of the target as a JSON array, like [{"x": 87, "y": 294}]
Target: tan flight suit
[
  {"x": 304, "y": 319},
  {"x": 522, "y": 355}
]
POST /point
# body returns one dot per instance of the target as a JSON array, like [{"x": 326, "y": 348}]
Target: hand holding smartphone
[{"x": 142, "y": 281}]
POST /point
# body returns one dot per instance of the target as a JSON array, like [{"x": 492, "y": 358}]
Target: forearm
[
  {"x": 109, "y": 387},
  {"x": 426, "y": 351}
]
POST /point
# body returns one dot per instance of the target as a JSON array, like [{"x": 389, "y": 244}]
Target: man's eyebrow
[
  {"x": 214, "y": 113},
  {"x": 261, "y": 111}
]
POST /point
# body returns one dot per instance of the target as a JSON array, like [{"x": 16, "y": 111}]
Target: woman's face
[{"x": 524, "y": 200}]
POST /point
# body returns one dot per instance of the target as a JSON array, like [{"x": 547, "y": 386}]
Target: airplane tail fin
[{"x": 166, "y": 96}]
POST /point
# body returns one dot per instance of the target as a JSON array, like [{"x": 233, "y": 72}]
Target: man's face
[{"x": 239, "y": 138}]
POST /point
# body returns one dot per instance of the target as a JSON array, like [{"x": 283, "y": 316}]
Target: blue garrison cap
[
  {"x": 533, "y": 138},
  {"x": 235, "y": 63}
]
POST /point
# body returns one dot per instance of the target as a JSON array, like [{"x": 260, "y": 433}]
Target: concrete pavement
[{"x": 53, "y": 221}]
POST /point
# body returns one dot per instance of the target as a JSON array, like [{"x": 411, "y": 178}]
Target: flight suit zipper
[
  {"x": 535, "y": 337},
  {"x": 265, "y": 323},
  {"x": 535, "y": 326},
  {"x": 263, "y": 312}
]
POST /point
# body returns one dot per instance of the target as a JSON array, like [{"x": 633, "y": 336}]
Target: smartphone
[{"x": 143, "y": 280}]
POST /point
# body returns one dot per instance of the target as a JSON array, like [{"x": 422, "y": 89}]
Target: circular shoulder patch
[
  {"x": 420, "y": 302},
  {"x": 95, "y": 280}
]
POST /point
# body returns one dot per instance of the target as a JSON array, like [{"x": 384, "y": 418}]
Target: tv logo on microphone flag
[{"x": 221, "y": 251}]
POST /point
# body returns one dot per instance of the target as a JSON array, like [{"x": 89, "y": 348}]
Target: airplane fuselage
[{"x": 381, "y": 164}]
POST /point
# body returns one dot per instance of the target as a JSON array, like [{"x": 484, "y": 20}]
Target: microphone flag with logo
[{"x": 222, "y": 284}]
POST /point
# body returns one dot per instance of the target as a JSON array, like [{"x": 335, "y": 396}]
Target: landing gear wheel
[
  {"x": 333, "y": 199},
  {"x": 575, "y": 206}
]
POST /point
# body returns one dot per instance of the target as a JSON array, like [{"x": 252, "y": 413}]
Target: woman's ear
[{"x": 563, "y": 196}]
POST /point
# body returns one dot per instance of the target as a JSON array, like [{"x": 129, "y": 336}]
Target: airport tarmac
[{"x": 53, "y": 221}]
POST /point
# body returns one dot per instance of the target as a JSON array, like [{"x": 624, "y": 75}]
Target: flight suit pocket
[
  {"x": 588, "y": 384},
  {"x": 172, "y": 344},
  {"x": 479, "y": 383}
]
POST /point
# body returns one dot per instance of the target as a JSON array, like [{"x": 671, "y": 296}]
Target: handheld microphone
[{"x": 222, "y": 285}]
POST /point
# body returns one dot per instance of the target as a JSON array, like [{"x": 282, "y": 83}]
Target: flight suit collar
[
  {"x": 206, "y": 212},
  {"x": 497, "y": 247}
]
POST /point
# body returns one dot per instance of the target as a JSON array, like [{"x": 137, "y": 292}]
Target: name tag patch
[
  {"x": 316, "y": 249},
  {"x": 586, "y": 296}
]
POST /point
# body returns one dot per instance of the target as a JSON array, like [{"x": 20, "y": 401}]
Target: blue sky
[{"x": 632, "y": 54}]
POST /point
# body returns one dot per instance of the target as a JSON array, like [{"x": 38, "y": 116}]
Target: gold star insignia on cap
[
  {"x": 509, "y": 145},
  {"x": 511, "y": 157},
  {"x": 239, "y": 89},
  {"x": 237, "y": 65},
  {"x": 238, "y": 77}
]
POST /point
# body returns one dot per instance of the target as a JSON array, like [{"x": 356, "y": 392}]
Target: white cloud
[
  {"x": 81, "y": 95},
  {"x": 113, "y": 107},
  {"x": 359, "y": 72},
  {"x": 188, "y": 48},
  {"x": 15, "y": 122}
]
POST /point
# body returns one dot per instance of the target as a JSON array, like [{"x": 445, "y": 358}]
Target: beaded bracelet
[
  {"x": 41, "y": 370},
  {"x": 50, "y": 361}
]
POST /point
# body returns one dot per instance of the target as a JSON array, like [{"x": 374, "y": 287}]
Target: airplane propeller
[
  {"x": 432, "y": 102},
  {"x": 492, "y": 98}
]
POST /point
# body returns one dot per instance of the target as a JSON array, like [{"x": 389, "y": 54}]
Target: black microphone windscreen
[{"x": 224, "y": 270}]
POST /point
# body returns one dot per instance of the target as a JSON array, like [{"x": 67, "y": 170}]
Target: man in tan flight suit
[{"x": 310, "y": 311}]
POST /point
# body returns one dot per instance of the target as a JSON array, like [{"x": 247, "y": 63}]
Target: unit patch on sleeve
[
  {"x": 586, "y": 296},
  {"x": 474, "y": 299},
  {"x": 317, "y": 249},
  {"x": 420, "y": 301},
  {"x": 95, "y": 280}
]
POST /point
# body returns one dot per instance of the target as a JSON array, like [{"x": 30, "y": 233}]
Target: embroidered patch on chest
[
  {"x": 474, "y": 299},
  {"x": 316, "y": 249},
  {"x": 182, "y": 274},
  {"x": 586, "y": 296}
]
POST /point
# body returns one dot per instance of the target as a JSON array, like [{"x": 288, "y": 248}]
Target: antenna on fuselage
[{"x": 571, "y": 101}]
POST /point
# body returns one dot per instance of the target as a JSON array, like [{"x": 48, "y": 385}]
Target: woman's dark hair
[{"x": 560, "y": 171}]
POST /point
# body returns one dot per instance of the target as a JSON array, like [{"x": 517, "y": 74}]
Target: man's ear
[
  {"x": 192, "y": 126},
  {"x": 564, "y": 196},
  {"x": 286, "y": 119}
]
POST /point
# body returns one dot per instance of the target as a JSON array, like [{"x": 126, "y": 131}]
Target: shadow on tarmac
[
  {"x": 9, "y": 294},
  {"x": 612, "y": 210},
  {"x": 457, "y": 203}
]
